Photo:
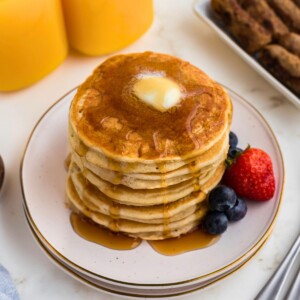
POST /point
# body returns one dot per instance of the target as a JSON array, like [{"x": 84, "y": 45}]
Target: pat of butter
[{"x": 160, "y": 92}]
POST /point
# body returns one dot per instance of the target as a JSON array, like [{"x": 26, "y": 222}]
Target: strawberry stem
[{"x": 231, "y": 160}]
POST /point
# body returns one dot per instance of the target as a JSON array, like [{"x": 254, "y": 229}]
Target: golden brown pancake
[
  {"x": 146, "y": 168},
  {"x": 134, "y": 228},
  {"x": 147, "y": 197},
  {"x": 107, "y": 116},
  {"x": 143, "y": 168},
  {"x": 198, "y": 168}
]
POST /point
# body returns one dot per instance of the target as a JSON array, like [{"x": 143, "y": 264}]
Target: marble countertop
[{"x": 178, "y": 31}]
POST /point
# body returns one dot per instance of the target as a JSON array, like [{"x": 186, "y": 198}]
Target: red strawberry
[{"x": 251, "y": 175}]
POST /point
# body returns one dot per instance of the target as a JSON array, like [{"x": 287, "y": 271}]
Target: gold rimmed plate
[
  {"x": 43, "y": 180},
  {"x": 130, "y": 291}
]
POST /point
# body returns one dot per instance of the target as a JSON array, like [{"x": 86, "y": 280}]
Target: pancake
[
  {"x": 148, "y": 214},
  {"x": 161, "y": 171},
  {"x": 133, "y": 228},
  {"x": 148, "y": 137},
  {"x": 108, "y": 118},
  {"x": 144, "y": 197},
  {"x": 164, "y": 180},
  {"x": 145, "y": 167},
  {"x": 135, "y": 183}
]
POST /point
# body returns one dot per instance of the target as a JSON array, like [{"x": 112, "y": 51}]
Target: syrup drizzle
[
  {"x": 99, "y": 235},
  {"x": 163, "y": 183},
  {"x": 93, "y": 232},
  {"x": 189, "y": 242},
  {"x": 67, "y": 162},
  {"x": 195, "y": 173},
  {"x": 114, "y": 212}
]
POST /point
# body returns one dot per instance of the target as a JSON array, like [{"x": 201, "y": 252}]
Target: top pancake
[{"x": 107, "y": 117}]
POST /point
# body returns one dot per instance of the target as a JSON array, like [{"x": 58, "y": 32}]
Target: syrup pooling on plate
[
  {"x": 99, "y": 235},
  {"x": 195, "y": 240}
]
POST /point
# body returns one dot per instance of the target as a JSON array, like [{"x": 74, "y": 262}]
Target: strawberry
[{"x": 251, "y": 175}]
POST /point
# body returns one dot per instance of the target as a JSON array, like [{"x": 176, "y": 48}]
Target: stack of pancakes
[{"x": 138, "y": 170}]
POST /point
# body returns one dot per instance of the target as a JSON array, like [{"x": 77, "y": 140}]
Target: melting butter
[{"x": 160, "y": 92}]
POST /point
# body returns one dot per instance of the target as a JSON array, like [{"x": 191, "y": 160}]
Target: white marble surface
[{"x": 176, "y": 30}]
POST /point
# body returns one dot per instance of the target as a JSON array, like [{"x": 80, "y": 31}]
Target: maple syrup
[
  {"x": 195, "y": 174},
  {"x": 114, "y": 212},
  {"x": 164, "y": 186},
  {"x": 191, "y": 241},
  {"x": 67, "y": 162},
  {"x": 95, "y": 233}
]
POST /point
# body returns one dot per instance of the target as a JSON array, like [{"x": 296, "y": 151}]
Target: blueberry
[
  {"x": 238, "y": 212},
  {"x": 215, "y": 222},
  {"x": 222, "y": 198},
  {"x": 234, "y": 151},
  {"x": 233, "y": 139}
]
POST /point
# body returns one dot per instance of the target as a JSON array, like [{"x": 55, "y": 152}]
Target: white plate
[
  {"x": 203, "y": 10},
  {"x": 113, "y": 288},
  {"x": 43, "y": 183}
]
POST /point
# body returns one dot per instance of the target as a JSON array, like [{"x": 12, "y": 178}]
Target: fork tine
[{"x": 294, "y": 293}]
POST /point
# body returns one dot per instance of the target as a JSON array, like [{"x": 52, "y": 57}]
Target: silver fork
[
  {"x": 294, "y": 292},
  {"x": 275, "y": 284}
]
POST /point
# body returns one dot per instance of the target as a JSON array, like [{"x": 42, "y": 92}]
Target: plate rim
[
  {"x": 223, "y": 35},
  {"x": 232, "y": 264},
  {"x": 85, "y": 281}
]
